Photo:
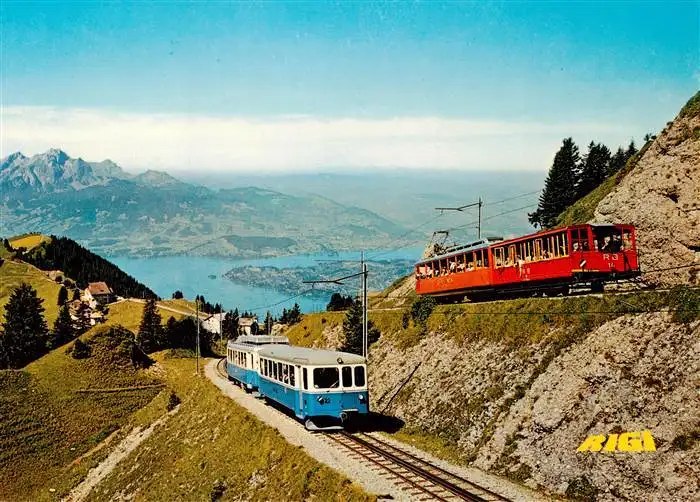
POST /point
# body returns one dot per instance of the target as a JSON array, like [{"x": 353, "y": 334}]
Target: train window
[
  {"x": 326, "y": 378},
  {"x": 485, "y": 258},
  {"x": 608, "y": 239},
  {"x": 292, "y": 376},
  {"x": 512, "y": 256},
  {"x": 306, "y": 379},
  {"x": 347, "y": 376},
  {"x": 359, "y": 376}
]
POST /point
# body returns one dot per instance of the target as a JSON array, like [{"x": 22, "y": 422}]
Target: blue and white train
[{"x": 325, "y": 389}]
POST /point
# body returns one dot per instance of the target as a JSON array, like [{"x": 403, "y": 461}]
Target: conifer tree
[
  {"x": 560, "y": 186},
  {"x": 150, "y": 335},
  {"x": 631, "y": 150},
  {"x": 352, "y": 329},
  {"x": 62, "y": 296},
  {"x": 25, "y": 333},
  {"x": 269, "y": 321},
  {"x": 594, "y": 168},
  {"x": 617, "y": 161},
  {"x": 63, "y": 330}
]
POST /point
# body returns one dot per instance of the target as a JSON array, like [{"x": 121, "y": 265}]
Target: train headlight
[
  {"x": 362, "y": 398},
  {"x": 322, "y": 400}
]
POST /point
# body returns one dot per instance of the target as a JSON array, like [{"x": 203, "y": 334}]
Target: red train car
[{"x": 550, "y": 261}]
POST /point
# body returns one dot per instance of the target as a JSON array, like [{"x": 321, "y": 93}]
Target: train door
[{"x": 297, "y": 370}]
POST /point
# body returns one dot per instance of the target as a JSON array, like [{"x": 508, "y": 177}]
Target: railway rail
[{"x": 417, "y": 476}]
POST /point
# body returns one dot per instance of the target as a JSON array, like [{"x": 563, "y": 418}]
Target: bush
[
  {"x": 422, "y": 308},
  {"x": 173, "y": 401},
  {"x": 581, "y": 489},
  {"x": 685, "y": 304},
  {"x": 81, "y": 350}
]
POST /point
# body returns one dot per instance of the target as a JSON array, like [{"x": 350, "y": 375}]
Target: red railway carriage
[{"x": 548, "y": 261}]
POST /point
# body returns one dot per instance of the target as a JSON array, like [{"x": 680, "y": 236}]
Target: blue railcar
[
  {"x": 318, "y": 386},
  {"x": 242, "y": 360}
]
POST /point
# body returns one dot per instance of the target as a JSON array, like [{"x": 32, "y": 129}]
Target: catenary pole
[{"x": 197, "y": 347}]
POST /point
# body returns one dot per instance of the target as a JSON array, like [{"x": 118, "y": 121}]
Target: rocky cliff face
[
  {"x": 661, "y": 197},
  {"x": 523, "y": 411}
]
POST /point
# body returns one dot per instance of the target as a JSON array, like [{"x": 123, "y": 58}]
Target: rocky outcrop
[
  {"x": 523, "y": 411},
  {"x": 661, "y": 197}
]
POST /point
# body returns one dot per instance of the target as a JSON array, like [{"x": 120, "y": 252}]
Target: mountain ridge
[{"x": 155, "y": 214}]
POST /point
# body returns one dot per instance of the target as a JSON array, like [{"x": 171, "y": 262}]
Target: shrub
[
  {"x": 581, "y": 489},
  {"x": 81, "y": 350},
  {"x": 173, "y": 401},
  {"x": 422, "y": 308},
  {"x": 685, "y": 304}
]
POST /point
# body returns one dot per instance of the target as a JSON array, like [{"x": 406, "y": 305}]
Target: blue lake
[{"x": 193, "y": 275}]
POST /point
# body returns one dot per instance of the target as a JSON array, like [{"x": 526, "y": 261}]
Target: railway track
[{"x": 418, "y": 477}]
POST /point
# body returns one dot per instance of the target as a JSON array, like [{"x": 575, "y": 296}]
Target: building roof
[
  {"x": 315, "y": 357},
  {"x": 99, "y": 288}
]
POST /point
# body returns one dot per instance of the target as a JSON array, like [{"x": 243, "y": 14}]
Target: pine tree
[
  {"x": 150, "y": 336},
  {"x": 559, "y": 188},
  {"x": 63, "y": 330},
  {"x": 352, "y": 329},
  {"x": 25, "y": 333},
  {"x": 594, "y": 168},
  {"x": 62, "y": 296},
  {"x": 631, "y": 151},
  {"x": 269, "y": 321},
  {"x": 617, "y": 161}
]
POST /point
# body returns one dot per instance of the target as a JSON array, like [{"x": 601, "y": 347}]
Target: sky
[{"x": 324, "y": 86}]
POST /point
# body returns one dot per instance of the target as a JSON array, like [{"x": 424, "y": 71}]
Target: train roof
[
  {"x": 259, "y": 340},
  {"x": 304, "y": 355}
]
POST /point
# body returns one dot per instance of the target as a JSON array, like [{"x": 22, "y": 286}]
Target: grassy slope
[
  {"x": 45, "y": 424},
  {"x": 28, "y": 241},
  {"x": 310, "y": 329},
  {"x": 129, "y": 315},
  {"x": 13, "y": 273},
  {"x": 212, "y": 439}
]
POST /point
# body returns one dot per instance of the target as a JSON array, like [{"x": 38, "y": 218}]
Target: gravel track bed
[
  {"x": 326, "y": 451},
  {"x": 502, "y": 486},
  {"x": 314, "y": 444}
]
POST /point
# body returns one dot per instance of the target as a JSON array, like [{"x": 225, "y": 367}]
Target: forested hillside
[{"x": 61, "y": 253}]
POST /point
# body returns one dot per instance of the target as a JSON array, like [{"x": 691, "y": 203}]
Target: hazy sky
[{"x": 322, "y": 86}]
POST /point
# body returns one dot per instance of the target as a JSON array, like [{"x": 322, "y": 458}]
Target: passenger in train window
[
  {"x": 453, "y": 266},
  {"x": 616, "y": 244},
  {"x": 606, "y": 245},
  {"x": 626, "y": 240}
]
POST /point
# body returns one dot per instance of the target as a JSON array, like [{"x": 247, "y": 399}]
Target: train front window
[
  {"x": 347, "y": 376},
  {"x": 359, "y": 376},
  {"x": 326, "y": 378},
  {"x": 305, "y": 376}
]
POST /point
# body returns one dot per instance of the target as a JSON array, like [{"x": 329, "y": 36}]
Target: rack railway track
[{"x": 417, "y": 476}]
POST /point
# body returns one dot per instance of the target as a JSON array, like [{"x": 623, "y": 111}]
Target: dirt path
[{"x": 122, "y": 450}]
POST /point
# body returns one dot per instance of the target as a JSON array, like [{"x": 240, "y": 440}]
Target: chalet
[
  {"x": 248, "y": 325},
  {"x": 214, "y": 322},
  {"x": 97, "y": 293}
]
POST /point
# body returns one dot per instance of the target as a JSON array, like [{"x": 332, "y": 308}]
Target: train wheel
[{"x": 597, "y": 287}]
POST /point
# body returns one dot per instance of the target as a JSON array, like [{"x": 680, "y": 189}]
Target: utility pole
[
  {"x": 462, "y": 208},
  {"x": 364, "y": 305},
  {"x": 197, "y": 347},
  {"x": 337, "y": 281}
]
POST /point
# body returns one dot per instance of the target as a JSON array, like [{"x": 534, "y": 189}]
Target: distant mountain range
[{"x": 150, "y": 214}]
